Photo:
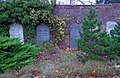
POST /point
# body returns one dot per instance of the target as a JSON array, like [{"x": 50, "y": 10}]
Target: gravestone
[
  {"x": 74, "y": 35},
  {"x": 42, "y": 33},
  {"x": 16, "y": 31},
  {"x": 110, "y": 27}
]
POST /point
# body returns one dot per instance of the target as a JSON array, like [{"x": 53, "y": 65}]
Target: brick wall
[{"x": 107, "y": 12}]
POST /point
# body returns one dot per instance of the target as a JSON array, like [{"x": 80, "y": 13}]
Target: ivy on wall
[
  {"x": 30, "y": 13},
  {"x": 4, "y": 30}
]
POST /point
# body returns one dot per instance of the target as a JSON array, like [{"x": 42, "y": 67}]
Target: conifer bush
[
  {"x": 106, "y": 48},
  {"x": 117, "y": 32},
  {"x": 97, "y": 44},
  {"x": 90, "y": 34},
  {"x": 14, "y": 54},
  {"x": 117, "y": 37}
]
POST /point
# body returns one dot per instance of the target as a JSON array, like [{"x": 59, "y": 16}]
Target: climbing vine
[{"x": 30, "y": 13}]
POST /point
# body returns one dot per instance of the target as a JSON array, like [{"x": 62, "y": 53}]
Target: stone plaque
[
  {"x": 16, "y": 31},
  {"x": 42, "y": 33},
  {"x": 110, "y": 27},
  {"x": 74, "y": 35}
]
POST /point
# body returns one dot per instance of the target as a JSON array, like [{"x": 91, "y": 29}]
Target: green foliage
[
  {"x": 4, "y": 30},
  {"x": 81, "y": 58},
  {"x": 117, "y": 37},
  {"x": 106, "y": 48},
  {"x": 31, "y": 13},
  {"x": 117, "y": 32},
  {"x": 14, "y": 54},
  {"x": 96, "y": 44},
  {"x": 90, "y": 33}
]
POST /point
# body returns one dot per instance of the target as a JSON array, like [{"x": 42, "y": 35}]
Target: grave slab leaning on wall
[
  {"x": 74, "y": 35},
  {"x": 110, "y": 25},
  {"x": 42, "y": 33},
  {"x": 16, "y": 31}
]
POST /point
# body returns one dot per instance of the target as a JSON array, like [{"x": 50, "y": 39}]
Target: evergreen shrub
[
  {"x": 14, "y": 54},
  {"x": 96, "y": 44}
]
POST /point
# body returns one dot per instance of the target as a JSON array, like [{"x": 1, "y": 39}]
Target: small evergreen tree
[
  {"x": 90, "y": 33},
  {"x": 96, "y": 44},
  {"x": 106, "y": 48},
  {"x": 117, "y": 32},
  {"x": 117, "y": 37},
  {"x": 14, "y": 55}
]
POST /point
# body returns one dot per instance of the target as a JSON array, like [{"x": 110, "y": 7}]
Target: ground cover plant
[{"x": 63, "y": 64}]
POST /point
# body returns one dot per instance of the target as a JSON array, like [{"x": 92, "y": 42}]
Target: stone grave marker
[
  {"x": 110, "y": 25},
  {"x": 74, "y": 35},
  {"x": 16, "y": 31},
  {"x": 42, "y": 33}
]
